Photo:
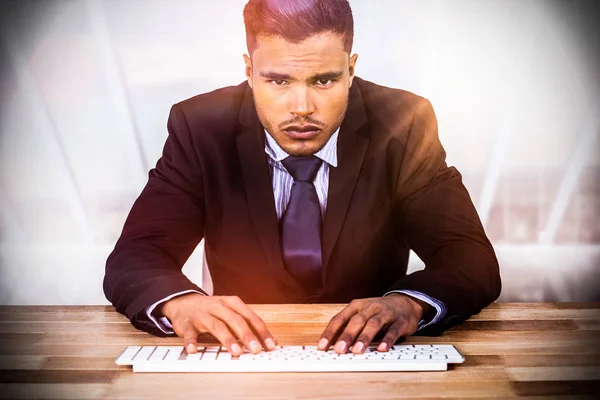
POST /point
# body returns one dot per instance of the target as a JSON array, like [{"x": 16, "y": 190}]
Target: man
[{"x": 308, "y": 185}]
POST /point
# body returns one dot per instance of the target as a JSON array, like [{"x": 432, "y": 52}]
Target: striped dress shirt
[{"x": 282, "y": 183}]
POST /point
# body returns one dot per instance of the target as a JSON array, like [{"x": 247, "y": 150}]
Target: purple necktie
[{"x": 301, "y": 222}]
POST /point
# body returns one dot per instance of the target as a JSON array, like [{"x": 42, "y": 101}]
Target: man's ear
[
  {"x": 351, "y": 68},
  {"x": 248, "y": 69}
]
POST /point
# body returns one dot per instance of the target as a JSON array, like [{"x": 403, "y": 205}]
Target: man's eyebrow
[
  {"x": 328, "y": 75},
  {"x": 324, "y": 75},
  {"x": 275, "y": 75}
]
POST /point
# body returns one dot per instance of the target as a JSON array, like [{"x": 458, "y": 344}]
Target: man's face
[{"x": 301, "y": 89}]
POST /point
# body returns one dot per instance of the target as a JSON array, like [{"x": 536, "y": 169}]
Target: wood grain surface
[{"x": 512, "y": 350}]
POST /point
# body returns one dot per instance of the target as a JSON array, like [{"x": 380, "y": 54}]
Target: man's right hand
[{"x": 227, "y": 318}]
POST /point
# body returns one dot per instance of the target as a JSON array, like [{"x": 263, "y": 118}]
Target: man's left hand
[{"x": 362, "y": 319}]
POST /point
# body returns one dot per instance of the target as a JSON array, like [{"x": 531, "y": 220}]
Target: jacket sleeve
[
  {"x": 164, "y": 226},
  {"x": 435, "y": 214}
]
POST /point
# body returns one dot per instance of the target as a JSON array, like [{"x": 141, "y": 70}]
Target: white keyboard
[{"x": 289, "y": 359}]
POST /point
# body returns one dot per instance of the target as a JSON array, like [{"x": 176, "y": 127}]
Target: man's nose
[{"x": 301, "y": 105}]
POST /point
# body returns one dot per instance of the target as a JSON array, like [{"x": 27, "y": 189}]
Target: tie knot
[{"x": 302, "y": 168}]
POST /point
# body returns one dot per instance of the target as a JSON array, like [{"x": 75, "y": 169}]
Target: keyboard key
[
  {"x": 224, "y": 356},
  {"x": 209, "y": 356},
  {"x": 174, "y": 353},
  {"x": 194, "y": 357},
  {"x": 158, "y": 354},
  {"x": 131, "y": 351},
  {"x": 144, "y": 353},
  {"x": 126, "y": 358}
]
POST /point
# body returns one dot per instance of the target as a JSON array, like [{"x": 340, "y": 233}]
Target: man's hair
[{"x": 297, "y": 20}]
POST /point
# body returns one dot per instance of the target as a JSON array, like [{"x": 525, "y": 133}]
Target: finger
[
  {"x": 220, "y": 330},
  {"x": 354, "y": 327},
  {"x": 392, "y": 334},
  {"x": 255, "y": 322},
  {"x": 239, "y": 327},
  {"x": 371, "y": 328},
  {"x": 336, "y": 324},
  {"x": 190, "y": 337},
  {"x": 350, "y": 332}
]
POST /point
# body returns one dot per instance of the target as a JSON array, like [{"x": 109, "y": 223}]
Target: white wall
[{"x": 86, "y": 87}]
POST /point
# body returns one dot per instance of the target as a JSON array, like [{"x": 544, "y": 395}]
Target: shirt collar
[{"x": 328, "y": 153}]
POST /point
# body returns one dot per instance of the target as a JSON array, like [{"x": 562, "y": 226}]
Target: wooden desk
[{"x": 545, "y": 350}]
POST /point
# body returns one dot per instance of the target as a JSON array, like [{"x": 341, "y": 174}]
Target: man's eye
[
  {"x": 324, "y": 82},
  {"x": 278, "y": 82}
]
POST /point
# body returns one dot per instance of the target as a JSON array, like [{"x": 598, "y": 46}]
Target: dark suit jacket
[{"x": 391, "y": 191}]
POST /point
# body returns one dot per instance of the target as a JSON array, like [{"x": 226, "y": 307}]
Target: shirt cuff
[
  {"x": 163, "y": 323},
  {"x": 439, "y": 306}
]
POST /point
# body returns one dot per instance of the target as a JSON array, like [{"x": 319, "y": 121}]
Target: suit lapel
[
  {"x": 258, "y": 187},
  {"x": 352, "y": 146}
]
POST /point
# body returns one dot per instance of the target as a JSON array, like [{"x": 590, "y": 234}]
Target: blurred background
[{"x": 86, "y": 87}]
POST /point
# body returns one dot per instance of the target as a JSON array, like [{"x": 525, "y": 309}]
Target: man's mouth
[{"x": 302, "y": 131}]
